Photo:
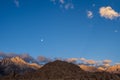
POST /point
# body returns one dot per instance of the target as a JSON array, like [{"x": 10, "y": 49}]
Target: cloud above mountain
[
  {"x": 43, "y": 60},
  {"x": 62, "y": 1},
  {"x": 72, "y": 60},
  {"x": 17, "y": 3},
  {"x": 108, "y": 13},
  {"x": 90, "y": 14},
  {"x": 90, "y": 62},
  {"x": 65, "y": 4},
  {"x": 106, "y": 63}
]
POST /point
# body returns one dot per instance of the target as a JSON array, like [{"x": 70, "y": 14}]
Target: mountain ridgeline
[
  {"x": 17, "y": 69},
  {"x": 16, "y": 65}
]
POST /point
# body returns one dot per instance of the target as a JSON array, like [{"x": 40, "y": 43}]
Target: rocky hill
[
  {"x": 61, "y": 70},
  {"x": 114, "y": 69},
  {"x": 17, "y": 65}
]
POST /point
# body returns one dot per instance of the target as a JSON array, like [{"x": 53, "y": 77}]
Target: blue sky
[{"x": 61, "y": 28}]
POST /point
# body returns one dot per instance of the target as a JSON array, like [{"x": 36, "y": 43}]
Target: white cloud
[
  {"x": 82, "y": 59},
  {"x": 89, "y": 14},
  {"x": 117, "y": 63},
  {"x": 106, "y": 65},
  {"x": 90, "y": 62},
  {"x": 43, "y": 59},
  {"x": 66, "y": 4},
  {"x": 62, "y": 1},
  {"x": 107, "y": 61},
  {"x": 108, "y": 13},
  {"x": 93, "y": 5},
  {"x": 69, "y": 6},
  {"x": 72, "y": 60},
  {"x": 17, "y": 3},
  {"x": 54, "y": 1}
]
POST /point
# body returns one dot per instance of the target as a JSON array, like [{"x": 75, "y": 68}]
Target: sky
[{"x": 61, "y": 28}]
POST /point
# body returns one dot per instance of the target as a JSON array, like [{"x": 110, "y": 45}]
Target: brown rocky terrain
[
  {"x": 16, "y": 65},
  {"x": 61, "y": 70},
  {"x": 114, "y": 69}
]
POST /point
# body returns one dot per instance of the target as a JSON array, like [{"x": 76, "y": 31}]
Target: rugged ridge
[
  {"x": 17, "y": 65},
  {"x": 61, "y": 70},
  {"x": 114, "y": 69},
  {"x": 18, "y": 62}
]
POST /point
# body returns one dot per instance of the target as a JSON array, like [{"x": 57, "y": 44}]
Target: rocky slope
[
  {"x": 17, "y": 65},
  {"x": 60, "y": 70},
  {"x": 18, "y": 62},
  {"x": 57, "y": 70},
  {"x": 114, "y": 69}
]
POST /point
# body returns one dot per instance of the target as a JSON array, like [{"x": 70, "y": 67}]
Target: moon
[
  {"x": 116, "y": 31},
  {"x": 42, "y": 40}
]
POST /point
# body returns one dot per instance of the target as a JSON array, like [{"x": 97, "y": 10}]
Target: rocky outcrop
[
  {"x": 114, "y": 69},
  {"x": 61, "y": 70},
  {"x": 17, "y": 65}
]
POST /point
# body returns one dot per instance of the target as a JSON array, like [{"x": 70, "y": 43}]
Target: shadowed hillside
[
  {"x": 61, "y": 70},
  {"x": 16, "y": 65}
]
